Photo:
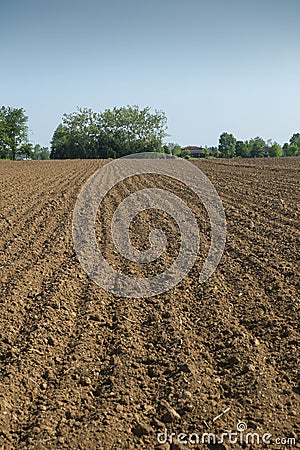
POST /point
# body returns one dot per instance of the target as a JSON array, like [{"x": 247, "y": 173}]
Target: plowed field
[{"x": 83, "y": 369}]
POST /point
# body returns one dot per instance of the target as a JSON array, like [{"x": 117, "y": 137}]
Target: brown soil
[{"x": 83, "y": 369}]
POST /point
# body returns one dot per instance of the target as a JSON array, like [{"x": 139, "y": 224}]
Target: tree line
[
  {"x": 108, "y": 134},
  {"x": 230, "y": 147},
  {"x": 117, "y": 132}
]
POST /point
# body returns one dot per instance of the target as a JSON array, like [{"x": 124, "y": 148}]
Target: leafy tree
[
  {"x": 185, "y": 153},
  {"x": 207, "y": 152},
  {"x": 13, "y": 131},
  {"x": 4, "y": 147},
  {"x": 295, "y": 140},
  {"x": 26, "y": 150},
  {"x": 167, "y": 149},
  {"x": 77, "y": 136},
  {"x": 39, "y": 152},
  {"x": 60, "y": 142},
  {"x": 257, "y": 147},
  {"x": 227, "y": 143},
  {"x": 291, "y": 149},
  {"x": 242, "y": 149},
  {"x": 136, "y": 130},
  {"x": 176, "y": 150},
  {"x": 275, "y": 150},
  {"x": 44, "y": 153},
  {"x": 110, "y": 134}
]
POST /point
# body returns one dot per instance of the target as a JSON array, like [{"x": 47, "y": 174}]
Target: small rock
[
  {"x": 68, "y": 414},
  {"x": 185, "y": 368},
  {"x": 171, "y": 414},
  {"x": 95, "y": 317},
  {"x": 217, "y": 396},
  {"x": 51, "y": 341},
  {"x": 188, "y": 407},
  {"x": 154, "y": 372},
  {"x": 157, "y": 423},
  {"x": 85, "y": 381},
  {"x": 187, "y": 394},
  {"x": 209, "y": 371},
  {"x": 248, "y": 368},
  {"x": 293, "y": 435},
  {"x": 252, "y": 424},
  {"x": 233, "y": 361},
  {"x": 142, "y": 429}
]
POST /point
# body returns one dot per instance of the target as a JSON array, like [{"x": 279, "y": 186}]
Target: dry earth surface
[{"x": 83, "y": 369}]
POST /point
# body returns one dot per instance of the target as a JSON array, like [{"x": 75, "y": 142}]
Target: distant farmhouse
[{"x": 195, "y": 152}]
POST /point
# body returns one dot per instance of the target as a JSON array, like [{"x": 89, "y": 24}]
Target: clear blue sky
[{"x": 212, "y": 66}]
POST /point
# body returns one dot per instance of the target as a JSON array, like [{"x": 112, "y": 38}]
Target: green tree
[
  {"x": 295, "y": 140},
  {"x": 227, "y": 143},
  {"x": 207, "y": 152},
  {"x": 77, "y": 136},
  {"x": 291, "y": 149},
  {"x": 176, "y": 150},
  {"x": 275, "y": 150},
  {"x": 13, "y": 131},
  {"x": 136, "y": 130},
  {"x": 256, "y": 147},
  {"x": 185, "y": 153},
  {"x": 167, "y": 149},
  {"x": 40, "y": 153},
  {"x": 4, "y": 147},
  {"x": 80, "y": 136},
  {"x": 60, "y": 143},
  {"x": 112, "y": 133},
  {"x": 26, "y": 150},
  {"x": 242, "y": 149}
]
